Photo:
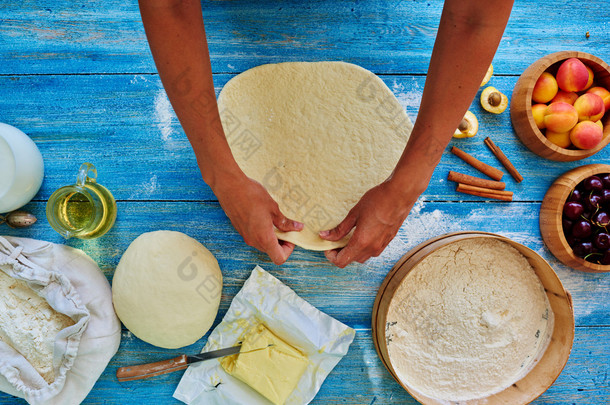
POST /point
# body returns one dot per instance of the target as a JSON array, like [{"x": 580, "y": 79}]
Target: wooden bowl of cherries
[{"x": 575, "y": 218}]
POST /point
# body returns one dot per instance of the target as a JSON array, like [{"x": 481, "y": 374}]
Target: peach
[
  {"x": 590, "y": 107},
  {"x": 591, "y": 77},
  {"x": 561, "y": 139},
  {"x": 603, "y": 93},
  {"x": 560, "y": 117},
  {"x": 538, "y": 114},
  {"x": 565, "y": 96},
  {"x": 586, "y": 135},
  {"x": 572, "y": 75},
  {"x": 545, "y": 88}
]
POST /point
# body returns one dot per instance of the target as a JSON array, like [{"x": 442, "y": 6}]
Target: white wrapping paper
[{"x": 265, "y": 299}]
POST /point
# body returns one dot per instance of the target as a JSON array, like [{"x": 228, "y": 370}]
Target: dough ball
[{"x": 166, "y": 289}]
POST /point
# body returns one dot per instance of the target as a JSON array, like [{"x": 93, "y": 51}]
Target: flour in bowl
[{"x": 468, "y": 321}]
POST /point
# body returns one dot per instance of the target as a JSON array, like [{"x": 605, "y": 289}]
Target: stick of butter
[{"x": 267, "y": 364}]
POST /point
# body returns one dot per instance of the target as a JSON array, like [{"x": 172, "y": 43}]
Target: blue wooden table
[{"x": 78, "y": 78}]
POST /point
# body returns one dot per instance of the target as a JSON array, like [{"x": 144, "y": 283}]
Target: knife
[{"x": 142, "y": 371}]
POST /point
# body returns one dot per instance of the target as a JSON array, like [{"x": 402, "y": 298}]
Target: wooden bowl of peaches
[{"x": 560, "y": 106}]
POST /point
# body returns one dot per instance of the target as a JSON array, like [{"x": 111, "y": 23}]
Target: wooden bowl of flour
[{"x": 545, "y": 369}]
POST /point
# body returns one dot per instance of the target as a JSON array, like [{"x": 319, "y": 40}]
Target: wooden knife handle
[{"x": 142, "y": 371}]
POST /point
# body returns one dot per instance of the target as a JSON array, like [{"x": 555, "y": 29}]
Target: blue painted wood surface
[{"x": 78, "y": 78}]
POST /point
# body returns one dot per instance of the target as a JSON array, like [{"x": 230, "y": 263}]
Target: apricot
[
  {"x": 469, "y": 126},
  {"x": 600, "y": 124},
  {"x": 591, "y": 77},
  {"x": 560, "y": 117},
  {"x": 493, "y": 100},
  {"x": 538, "y": 114},
  {"x": 561, "y": 139},
  {"x": 603, "y": 93},
  {"x": 545, "y": 88},
  {"x": 488, "y": 74},
  {"x": 586, "y": 135},
  {"x": 590, "y": 107},
  {"x": 572, "y": 75},
  {"x": 565, "y": 96}
]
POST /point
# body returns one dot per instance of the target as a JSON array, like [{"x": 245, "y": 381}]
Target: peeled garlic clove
[{"x": 20, "y": 219}]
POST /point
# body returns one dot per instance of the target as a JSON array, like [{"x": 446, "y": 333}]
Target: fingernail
[
  {"x": 297, "y": 225},
  {"x": 324, "y": 234}
]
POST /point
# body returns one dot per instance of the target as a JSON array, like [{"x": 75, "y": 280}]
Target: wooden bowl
[
  {"x": 551, "y": 213},
  {"x": 521, "y": 106},
  {"x": 544, "y": 373}
]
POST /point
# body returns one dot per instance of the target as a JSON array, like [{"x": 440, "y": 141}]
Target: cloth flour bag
[{"x": 54, "y": 291}]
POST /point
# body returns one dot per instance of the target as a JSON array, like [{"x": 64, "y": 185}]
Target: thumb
[
  {"x": 286, "y": 225},
  {"x": 341, "y": 230}
]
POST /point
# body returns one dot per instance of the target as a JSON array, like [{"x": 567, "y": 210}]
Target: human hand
[
  {"x": 377, "y": 217},
  {"x": 254, "y": 214}
]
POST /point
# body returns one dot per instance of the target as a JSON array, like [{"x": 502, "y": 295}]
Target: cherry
[
  {"x": 575, "y": 195},
  {"x": 606, "y": 181},
  {"x": 605, "y": 196},
  {"x": 593, "y": 202},
  {"x": 567, "y": 225},
  {"x": 573, "y": 210},
  {"x": 572, "y": 241},
  {"x": 582, "y": 229},
  {"x": 593, "y": 183},
  {"x": 601, "y": 219},
  {"x": 602, "y": 241},
  {"x": 605, "y": 260},
  {"x": 583, "y": 249}
]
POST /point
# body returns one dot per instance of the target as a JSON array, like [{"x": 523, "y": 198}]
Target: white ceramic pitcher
[{"x": 21, "y": 168}]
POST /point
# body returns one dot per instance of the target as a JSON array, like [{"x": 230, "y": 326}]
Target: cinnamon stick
[
  {"x": 485, "y": 192},
  {"x": 475, "y": 181},
  {"x": 477, "y": 164},
  {"x": 504, "y": 160}
]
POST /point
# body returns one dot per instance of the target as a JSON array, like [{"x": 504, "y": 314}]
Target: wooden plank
[
  {"x": 360, "y": 378},
  {"x": 124, "y": 124},
  {"x": 383, "y": 36},
  {"x": 352, "y": 290}
]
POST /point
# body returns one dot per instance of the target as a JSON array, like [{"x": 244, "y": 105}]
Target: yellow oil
[
  {"x": 76, "y": 212},
  {"x": 84, "y": 215}
]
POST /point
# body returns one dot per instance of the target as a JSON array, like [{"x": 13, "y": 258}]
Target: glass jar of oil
[{"x": 85, "y": 210}]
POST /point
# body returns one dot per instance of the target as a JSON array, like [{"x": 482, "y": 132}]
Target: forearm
[
  {"x": 177, "y": 40},
  {"x": 468, "y": 36}
]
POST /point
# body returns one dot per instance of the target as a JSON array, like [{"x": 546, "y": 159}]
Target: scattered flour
[
  {"x": 409, "y": 99},
  {"x": 137, "y": 79},
  {"x": 145, "y": 189},
  {"x": 419, "y": 204},
  {"x": 418, "y": 227},
  {"x": 163, "y": 115}
]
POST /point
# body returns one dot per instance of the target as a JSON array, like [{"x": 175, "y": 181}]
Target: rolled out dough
[{"x": 316, "y": 135}]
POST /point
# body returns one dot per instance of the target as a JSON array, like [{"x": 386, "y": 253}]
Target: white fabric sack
[
  {"x": 73, "y": 285},
  {"x": 266, "y": 299}
]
